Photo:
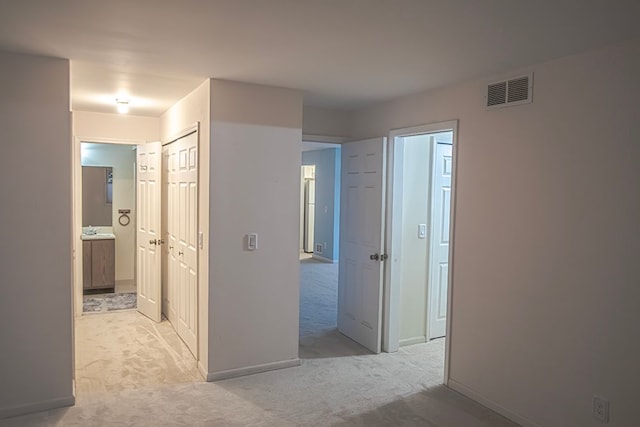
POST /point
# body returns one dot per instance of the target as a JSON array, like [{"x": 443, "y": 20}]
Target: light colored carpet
[{"x": 136, "y": 373}]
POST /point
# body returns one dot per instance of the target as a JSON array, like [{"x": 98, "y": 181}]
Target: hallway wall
[
  {"x": 35, "y": 225},
  {"x": 255, "y": 188}
]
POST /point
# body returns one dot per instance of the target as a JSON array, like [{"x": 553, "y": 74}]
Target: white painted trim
[
  {"x": 202, "y": 370},
  {"x": 323, "y": 138},
  {"x": 184, "y": 132},
  {"x": 452, "y": 232},
  {"x": 412, "y": 341},
  {"x": 44, "y": 405},
  {"x": 323, "y": 259},
  {"x": 391, "y": 325},
  {"x": 391, "y": 298},
  {"x": 249, "y": 370},
  {"x": 474, "y": 395}
]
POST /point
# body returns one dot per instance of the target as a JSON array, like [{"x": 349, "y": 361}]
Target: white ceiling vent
[{"x": 514, "y": 91}]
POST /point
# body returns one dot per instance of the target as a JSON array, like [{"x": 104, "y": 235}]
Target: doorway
[
  {"x": 319, "y": 249},
  {"x": 396, "y": 218},
  {"x": 420, "y": 227},
  {"x": 107, "y": 238}
]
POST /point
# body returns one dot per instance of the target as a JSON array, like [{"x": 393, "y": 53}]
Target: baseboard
[
  {"x": 411, "y": 341},
  {"x": 45, "y": 405},
  {"x": 240, "y": 372},
  {"x": 323, "y": 259},
  {"x": 203, "y": 371},
  {"x": 473, "y": 395}
]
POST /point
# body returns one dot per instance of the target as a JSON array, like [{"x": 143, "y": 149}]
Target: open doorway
[
  {"x": 108, "y": 227},
  {"x": 319, "y": 251},
  {"x": 419, "y": 232}
]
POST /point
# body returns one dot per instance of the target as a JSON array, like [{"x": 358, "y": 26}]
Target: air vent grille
[
  {"x": 510, "y": 92},
  {"x": 497, "y": 94}
]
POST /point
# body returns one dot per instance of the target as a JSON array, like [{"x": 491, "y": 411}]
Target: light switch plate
[
  {"x": 422, "y": 231},
  {"x": 252, "y": 241}
]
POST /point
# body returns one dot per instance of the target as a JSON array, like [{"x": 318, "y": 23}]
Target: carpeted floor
[
  {"x": 132, "y": 371},
  {"x": 100, "y": 303}
]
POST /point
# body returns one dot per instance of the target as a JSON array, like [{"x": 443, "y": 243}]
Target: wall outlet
[
  {"x": 319, "y": 248},
  {"x": 601, "y": 409}
]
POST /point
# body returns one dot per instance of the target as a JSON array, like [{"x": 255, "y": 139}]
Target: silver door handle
[{"x": 378, "y": 257}]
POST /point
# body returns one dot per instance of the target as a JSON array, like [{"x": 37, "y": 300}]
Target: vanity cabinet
[{"x": 99, "y": 264}]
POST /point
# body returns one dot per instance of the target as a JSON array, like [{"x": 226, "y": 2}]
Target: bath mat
[{"x": 109, "y": 302}]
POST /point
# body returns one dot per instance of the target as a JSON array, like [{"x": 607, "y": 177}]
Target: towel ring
[{"x": 124, "y": 220}]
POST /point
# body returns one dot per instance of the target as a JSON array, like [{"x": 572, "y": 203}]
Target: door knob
[
  {"x": 180, "y": 253},
  {"x": 153, "y": 242},
  {"x": 374, "y": 257}
]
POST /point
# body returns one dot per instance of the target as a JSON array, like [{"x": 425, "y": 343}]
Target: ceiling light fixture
[{"x": 123, "y": 105}]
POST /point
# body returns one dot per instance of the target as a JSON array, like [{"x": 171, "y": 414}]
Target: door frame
[
  {"x": 77, "y": 212},
  {"x": 391, "y": 303}
]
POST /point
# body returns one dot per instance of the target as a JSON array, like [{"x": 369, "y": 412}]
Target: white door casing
[
  {"x": 361, "y": 241},
  {"x": 439, "y": 241},
  {"x": 148, "y": 274}
]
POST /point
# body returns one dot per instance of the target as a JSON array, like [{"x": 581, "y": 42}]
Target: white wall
[
  {"x": 115, "y": 126},
  {"x": 35, "y": 225},
  {"x": 255, "y": 177},
  {"x": 195, "y": 108},
  {"x": 326, "y": 122},
  {"x": 546, "y": 271},
  {"x": 414, "y": 261},
  {"x": 122, "y": 159}
]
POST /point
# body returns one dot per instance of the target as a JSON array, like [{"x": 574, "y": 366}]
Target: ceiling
[{"x": 344, "y": 54}]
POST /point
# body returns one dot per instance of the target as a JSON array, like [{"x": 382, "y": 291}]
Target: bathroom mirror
[{"x": 97, "y": 196}]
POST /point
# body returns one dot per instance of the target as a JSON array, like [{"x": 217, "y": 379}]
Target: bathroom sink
[{"x": 98, "y": 236}]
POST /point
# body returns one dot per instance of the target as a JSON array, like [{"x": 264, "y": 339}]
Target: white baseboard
[
  {"x": 411, "y": 341},
  {"x": 45, "y": 405},
  {"x": 203, "y": 371},
  {"x": 240, "y": 372},
  {"x": 473, "y": 395},
  {"x": 323, "y": 259}
]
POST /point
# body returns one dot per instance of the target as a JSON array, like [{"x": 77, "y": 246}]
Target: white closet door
[
  {"x": 181, "y": 299},
  {"x": 186, "y": 248}
]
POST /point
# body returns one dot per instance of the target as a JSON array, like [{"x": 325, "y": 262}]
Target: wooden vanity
[{"x": 99, "y": 263}]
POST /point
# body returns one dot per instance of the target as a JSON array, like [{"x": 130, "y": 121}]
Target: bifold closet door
[{"x": 182, "y": 236}]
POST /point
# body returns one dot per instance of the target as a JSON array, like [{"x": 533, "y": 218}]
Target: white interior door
[
  {"x": 181, "y": 297},
  {"x": 361, "y": 244},
  {"x": 170, "y": 207},
  {"x": 186, "y": 244},
  {"x": 439, "y": 241},
  {"x": 148, "y": 275}
]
